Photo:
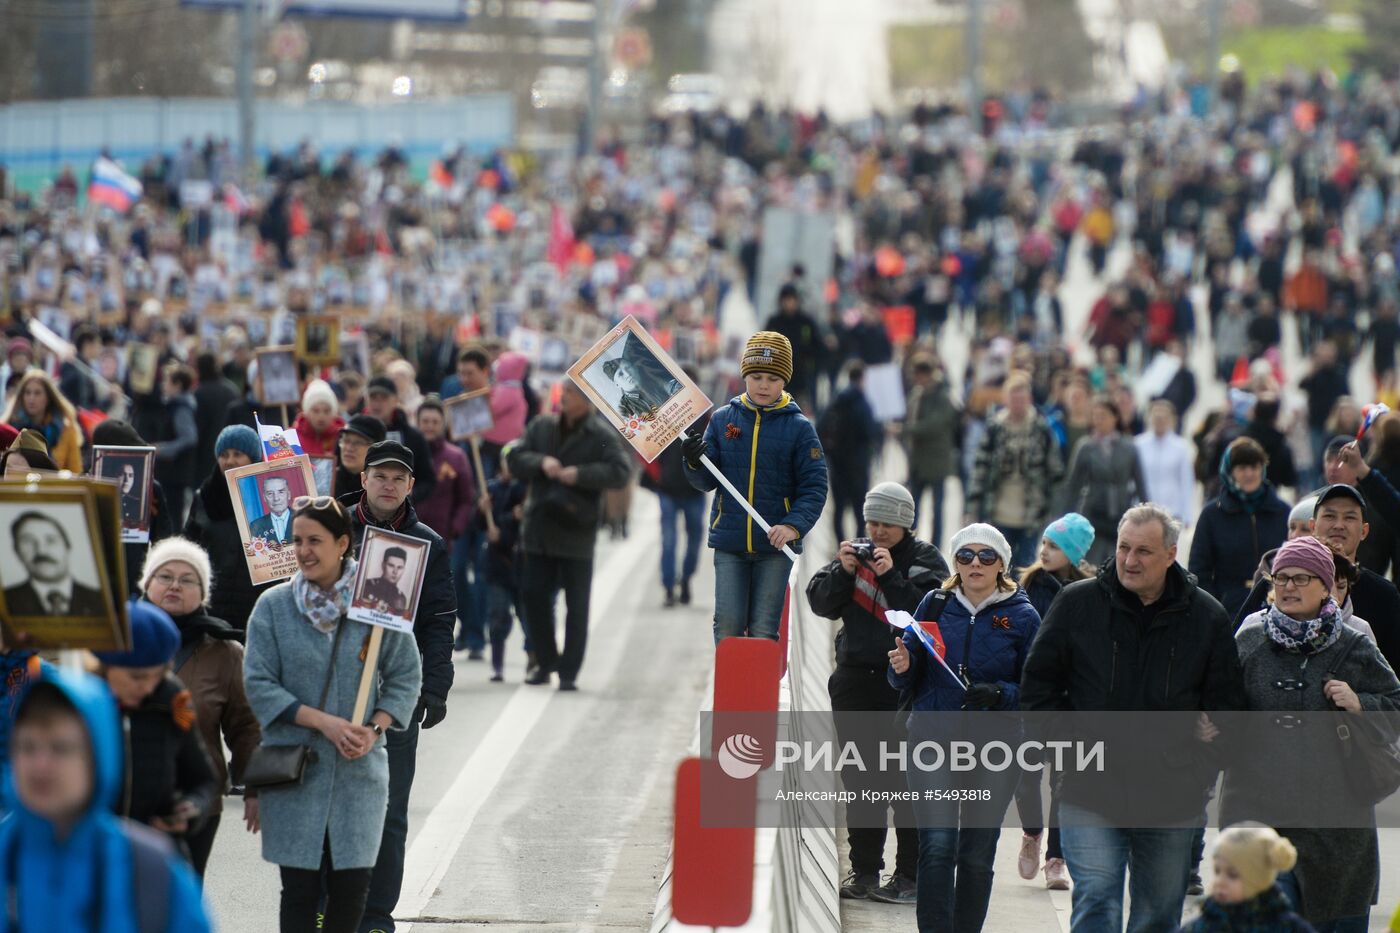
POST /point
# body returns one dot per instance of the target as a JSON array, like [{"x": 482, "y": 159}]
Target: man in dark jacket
[
  {"x": 176, "y": 453},
  {"x": 801, "y": 330},
  {"x": 568, "y": 459},
  {"x": 388, "y": 479},
  {"x": 78, "y": 380},
  {"x": 850, "y": 435},
  {"x": 857, "y": 588},
  {"x": 679, "y": 500},
  {"x": 1141, "y": 636},
  {"x": 212, "y": 399},
  {"x": 382, "y": 401}
]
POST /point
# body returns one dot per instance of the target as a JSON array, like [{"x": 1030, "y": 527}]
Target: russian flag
[
  {"x": 112, "y": 186},
  {"x": 278, "y": 443}
]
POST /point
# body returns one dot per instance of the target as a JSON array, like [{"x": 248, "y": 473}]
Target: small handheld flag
[
  {"x": 278, "y": 443},
  {"x": 1369, "y": 416},
  {"x": 928, "y": 635}
]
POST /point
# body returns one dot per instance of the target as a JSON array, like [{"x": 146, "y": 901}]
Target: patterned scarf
[
  {"x": 1306, "y": 637},
  {"x": 323, "y": 608},
  {"x": 1267, "y": 913}
]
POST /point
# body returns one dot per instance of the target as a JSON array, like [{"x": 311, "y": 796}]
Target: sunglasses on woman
[{"x": 987, "y": 557}]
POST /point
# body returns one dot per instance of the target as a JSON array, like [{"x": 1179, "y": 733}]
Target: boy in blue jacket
[
  {"x": 66, "y": 772},
  {"x": 767, "y": 448}
]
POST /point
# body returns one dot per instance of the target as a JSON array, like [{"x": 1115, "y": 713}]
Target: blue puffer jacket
[
  {"x": 66, "y": 884},
  {"x": 773, "y": 457},
  {"x": 990, "y": 647}
]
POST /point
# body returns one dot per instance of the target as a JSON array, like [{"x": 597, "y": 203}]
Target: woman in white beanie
[
  {"x": 319, "y": 422},
  {"x": 209, "y": 662},
  {"x": 983, "y": 634}
]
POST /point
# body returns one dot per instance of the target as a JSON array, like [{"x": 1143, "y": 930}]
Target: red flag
[
  {"x": 930, "y": 628},
  {"x": 561, "y": 239}
]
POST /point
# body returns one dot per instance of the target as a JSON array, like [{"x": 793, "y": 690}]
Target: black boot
[
  {"x": 685, "y": 591},
  {"x": 670, "y": 598}
]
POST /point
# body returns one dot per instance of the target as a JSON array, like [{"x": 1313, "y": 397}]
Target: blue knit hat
[
  {"x": 154, "y": 638},
  {"x": 239, "y": 437},
  {"x": 1072, "y": 534}
]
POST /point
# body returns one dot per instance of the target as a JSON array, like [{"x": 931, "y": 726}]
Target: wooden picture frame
[
  {"x": 318, "y": 339},
  {"x": 368, "y": 604},
  {"x": 469, "y": 414},
  {"x": 61, "y": 519}
]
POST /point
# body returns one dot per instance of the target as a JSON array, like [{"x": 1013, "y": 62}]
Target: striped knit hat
[{"x": 768, "y": 352}]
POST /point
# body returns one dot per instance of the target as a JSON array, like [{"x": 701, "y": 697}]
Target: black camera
[{"x": 865, "y": 550}]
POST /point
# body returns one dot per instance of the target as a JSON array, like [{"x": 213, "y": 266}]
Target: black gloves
[
  {"x": 694, "y": 448},
  {"x": 982, "y": 696},
  {"x": 430, "y": 711}
]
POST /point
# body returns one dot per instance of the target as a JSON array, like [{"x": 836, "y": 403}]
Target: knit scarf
[
  {"x": 1308, "y": 636},
  {"x": 1250, "y": 500},
  {"x": 365, "y": 517},
  {"x": 323, "y": 608},
  {"x": 51, "y": 429},
  {"x": 1266, "y": 913}
]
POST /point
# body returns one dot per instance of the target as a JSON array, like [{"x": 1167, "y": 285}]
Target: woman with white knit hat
[
  {"x": 983, "y": 635},
  {"x": 209, "y": 662}
]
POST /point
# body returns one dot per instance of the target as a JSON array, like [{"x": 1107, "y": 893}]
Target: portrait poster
[
  {"x": 639, "y": 388},
  {"x": 323, "y": 471},
  {"x": 318, "y": 339},
  {"x": 262, "y": 495},
  {"x": 354, "y": 353},
  {"x": 133, "y": 470},
  {"x": 469, "y": 414},
  {"x": 277, "y": 376},
  {"x": 56, "y": 587},
  {"x": 141, "y": 362},
  {"x": 389, "y": 581},
  {"x": 884, "y": 390}
]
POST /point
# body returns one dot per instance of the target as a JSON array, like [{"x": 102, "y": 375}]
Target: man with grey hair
[{"x": 1141, "y": 636}]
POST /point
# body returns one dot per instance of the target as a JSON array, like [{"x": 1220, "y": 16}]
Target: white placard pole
[{"x": 753, "y": 513}]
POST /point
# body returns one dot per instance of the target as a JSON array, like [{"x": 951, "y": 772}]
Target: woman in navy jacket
[{"x": 986, "y": 626}]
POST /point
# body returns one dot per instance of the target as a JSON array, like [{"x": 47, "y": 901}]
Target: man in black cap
[
  {"x": 382, "y": 401},
  {"x": 355, "y": 440},
  {"x": 1339, "y": 521},
  {"x": 801, "y": 330},
  {"x": 388, "y": 480}
]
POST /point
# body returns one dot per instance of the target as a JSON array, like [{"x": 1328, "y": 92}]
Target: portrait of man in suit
[
  {"x": 44, "y": 549},
  {"x": 276, "y": 526}
]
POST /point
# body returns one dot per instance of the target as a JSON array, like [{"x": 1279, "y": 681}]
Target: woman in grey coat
[
  {"x": 1105, "y": 478},
  {"x": 333, "y": 819},
  {"x": 1299, "y": 656}
]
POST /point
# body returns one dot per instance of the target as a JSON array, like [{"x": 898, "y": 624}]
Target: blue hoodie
[
  {"x": 17, "y": 669},
  {"x": 773, "y": 457},
  {"x": 992, "y": 646},
  {"x": 62, "y": 885}
]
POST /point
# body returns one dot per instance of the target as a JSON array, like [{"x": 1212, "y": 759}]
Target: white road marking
[{"x": 445, "y": 829}]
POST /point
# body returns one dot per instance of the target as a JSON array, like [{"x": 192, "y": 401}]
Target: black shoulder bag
[
  {"x": 285, "y": 765},
  {"x": 1373, "y": 764},
  {"x": 906, "y": 696}
]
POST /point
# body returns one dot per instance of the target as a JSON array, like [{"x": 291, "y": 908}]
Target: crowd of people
[{"x": 1073, "y": 450}]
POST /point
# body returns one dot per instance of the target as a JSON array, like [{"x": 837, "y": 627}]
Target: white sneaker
[
  {"x": 1028, "y": 862},
  {"x": 1056, "y": 875}
]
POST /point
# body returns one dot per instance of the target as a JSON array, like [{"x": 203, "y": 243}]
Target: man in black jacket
[
  {"x": 857, "y": 589},
  {"x": 801, "y": 330},
  {"x": 1141, "y": 636},
  {"x": 388, "y": 480},
  {"x": 382, "y": 401},
  {"x": 568, "y": 459}
]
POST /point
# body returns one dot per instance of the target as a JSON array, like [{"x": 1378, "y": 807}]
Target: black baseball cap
[
  {"x": 367, "y": 426},
  {"x": 389, "y": 452},
  {"x": 382, "y": 384},
  {"x": 1340, "y": 491}
]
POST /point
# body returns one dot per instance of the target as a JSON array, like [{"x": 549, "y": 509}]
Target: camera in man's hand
[{"x": 865, "y": 550}]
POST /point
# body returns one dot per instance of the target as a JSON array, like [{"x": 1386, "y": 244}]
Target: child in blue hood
[
  {"x": 769, "y": 451},
  {"x": 70, "y": 864}
]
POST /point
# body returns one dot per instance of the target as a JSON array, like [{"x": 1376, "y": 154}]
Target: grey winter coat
[
  {"x": 284, "y": 666},
  {"x": 1338, "y": 869},
  {"x": 1104, "y": 482}
]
